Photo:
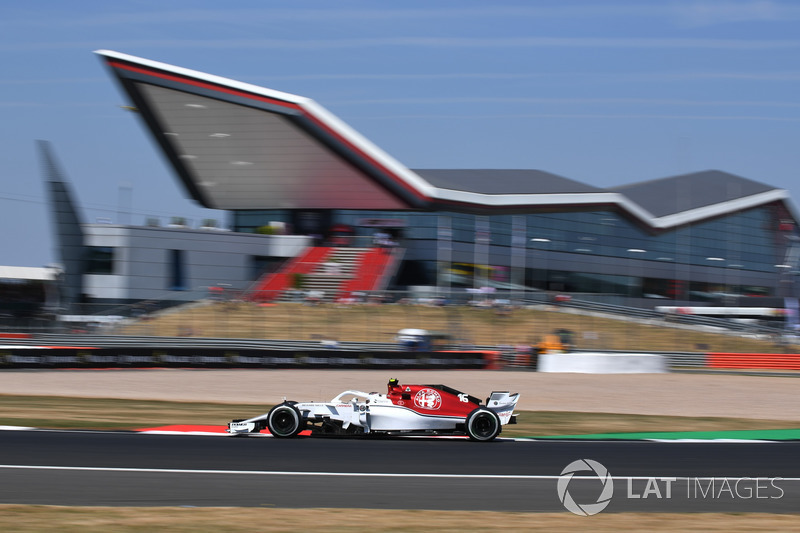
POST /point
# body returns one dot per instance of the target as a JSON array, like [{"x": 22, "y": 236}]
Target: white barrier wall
[{"x": 603, "y": 363}]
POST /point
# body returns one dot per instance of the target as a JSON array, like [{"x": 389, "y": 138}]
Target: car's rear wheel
[
  {"x": 483, "y": 425},
  {"x": 284, "y": 421}
]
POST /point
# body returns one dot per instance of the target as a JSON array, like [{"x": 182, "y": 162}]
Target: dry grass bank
[
  {"x": 40, "y": 518},
  {"x": 380, "y": 323}
]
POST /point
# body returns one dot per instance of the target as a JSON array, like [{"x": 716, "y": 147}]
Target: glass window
[
  {"x": 100, "y": 260},
  {"x": 177, "y": 274}
]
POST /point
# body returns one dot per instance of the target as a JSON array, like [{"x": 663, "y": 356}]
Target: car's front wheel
[
  {"x": 284, "y": 421},
  {"x": 483, "y": 425}
]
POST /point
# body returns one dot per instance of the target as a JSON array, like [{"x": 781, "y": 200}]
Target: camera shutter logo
[{"x": 585, "y": 509}]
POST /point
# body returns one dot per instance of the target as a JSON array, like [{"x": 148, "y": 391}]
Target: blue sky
[{"x": 603, "y": 92}]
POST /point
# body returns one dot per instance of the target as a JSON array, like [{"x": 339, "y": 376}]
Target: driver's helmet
[{"x": 394, "y": 382}]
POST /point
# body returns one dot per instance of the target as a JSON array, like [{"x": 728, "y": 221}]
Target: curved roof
[
  {"x": 667, "y": 196},
  {"x": 240, "y": 146},
  {"x": 504, "y": 181}
]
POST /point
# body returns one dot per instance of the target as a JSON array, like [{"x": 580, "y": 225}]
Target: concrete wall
[{"x": 602, "y": 363}]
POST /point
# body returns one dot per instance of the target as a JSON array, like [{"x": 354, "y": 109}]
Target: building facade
[
  {"x": 743, "y": 254},
  {"x": 126, "y": 264},
  {"x": 267, "y": 156}
]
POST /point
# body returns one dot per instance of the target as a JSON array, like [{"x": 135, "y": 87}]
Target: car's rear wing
[{"x": 503, "y": 404}]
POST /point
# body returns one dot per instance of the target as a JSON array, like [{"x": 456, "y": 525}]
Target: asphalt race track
[{"x": 129, "y": 469}]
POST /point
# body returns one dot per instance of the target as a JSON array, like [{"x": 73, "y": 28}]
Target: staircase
[
  {"x": 272, "y": 286},
  {"x": 328, "y": 276},
  {"x": 376, "y": 267},
  {"x": 330, "y": 273}
]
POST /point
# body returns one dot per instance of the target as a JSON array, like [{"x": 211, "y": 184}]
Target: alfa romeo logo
[
  {"x": 428, "y": 399},
  {"x": 585, "y": 509}
]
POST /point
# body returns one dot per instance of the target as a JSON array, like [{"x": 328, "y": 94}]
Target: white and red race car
[{"x": 403, "y": 410}]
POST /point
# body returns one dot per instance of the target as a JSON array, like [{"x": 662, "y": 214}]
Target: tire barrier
[
  {"x": 760, "y": 361},
  {"x": 171, "y": 357}
]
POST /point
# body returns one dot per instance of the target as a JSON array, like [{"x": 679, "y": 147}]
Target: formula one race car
[{"x": 403, "y": 410}]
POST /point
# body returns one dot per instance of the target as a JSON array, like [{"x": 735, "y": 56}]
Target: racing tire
[
  {"x": 483, "y": 425},
  {"x": 284, "y": 421}
]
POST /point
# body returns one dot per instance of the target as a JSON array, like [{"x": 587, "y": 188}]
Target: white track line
[
  {"x": 506, "y": 439},
  {"x": 355, "y": 474},
  {"x": 218, "y": 434}
]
